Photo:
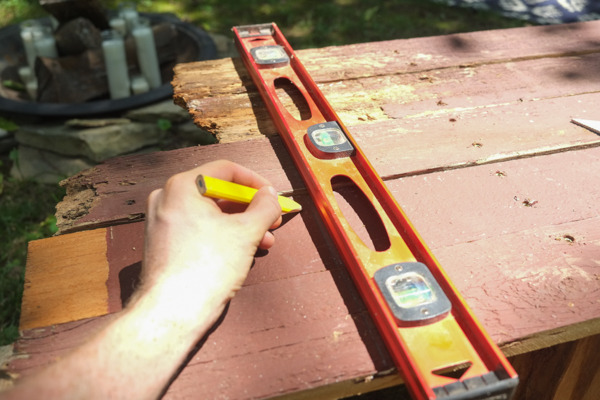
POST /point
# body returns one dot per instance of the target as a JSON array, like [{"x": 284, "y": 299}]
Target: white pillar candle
[
  {"x": 146, "y": 52},
  {"x": 32, "y": 87},
  {"x": 115, "y": 61},
  {"x": 54, "y": 23},
  {"x": 128, "y": 12},
  {"x": 28, "y": 28},
  {"x": 118, "y": 24},
  {"x": 139, "y": 84},
  {"x": 44, "y": 43},
  {"x": 26, "y": 74}
]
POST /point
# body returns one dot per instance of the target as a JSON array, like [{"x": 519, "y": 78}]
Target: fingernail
[{"x": 272, "y": 190}]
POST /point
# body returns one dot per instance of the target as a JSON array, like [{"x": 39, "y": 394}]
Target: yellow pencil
[{"x": 220, "y": 189}]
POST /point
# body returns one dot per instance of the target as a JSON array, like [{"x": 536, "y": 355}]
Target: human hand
[
  {"x": 196, "y": 256},
  {"x": 196, "y": 252}
]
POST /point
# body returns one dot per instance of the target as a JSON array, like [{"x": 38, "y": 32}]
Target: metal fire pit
[{"x": 200, "y": 46}]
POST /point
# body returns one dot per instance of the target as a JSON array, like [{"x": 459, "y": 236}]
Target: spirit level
[{"x": 437, "y": 344}]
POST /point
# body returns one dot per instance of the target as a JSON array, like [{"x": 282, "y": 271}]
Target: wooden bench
[{"x": 471, "y": 133}]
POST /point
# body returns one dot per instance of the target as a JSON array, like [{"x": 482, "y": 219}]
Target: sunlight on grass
[
  {"x": 313, "y": 23},
  {"x": 26, "y": 213}
]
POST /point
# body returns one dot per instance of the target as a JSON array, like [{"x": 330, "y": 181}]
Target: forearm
[{"x": 135, "y": 356}]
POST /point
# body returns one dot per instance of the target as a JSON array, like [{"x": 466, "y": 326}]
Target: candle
[
  {"x": 115, "y": 61},
  {"x": 118, "y": 24},
  {"x": 139, "y": 84},
  {"x": 32, "y": 87},
  {"x": 28, "y": 29},
  {"x": 146, "y": 52},
  {"x": 44, "y": 43},
  {"x": 128, "y": 12},
  {"x": 26, "y": 74},
  {"x": 54, "y": 23}
]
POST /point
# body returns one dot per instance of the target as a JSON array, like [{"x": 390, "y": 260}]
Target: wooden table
[{"x": 471, "y": 133}]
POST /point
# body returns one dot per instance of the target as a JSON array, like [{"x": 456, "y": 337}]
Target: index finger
[{"x": 230, "y": 171}]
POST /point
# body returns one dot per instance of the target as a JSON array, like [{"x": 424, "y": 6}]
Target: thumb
[{"x": 264, "y": 211}]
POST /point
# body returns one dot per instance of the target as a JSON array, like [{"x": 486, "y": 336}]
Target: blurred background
[{"x": 311, "y": 23}]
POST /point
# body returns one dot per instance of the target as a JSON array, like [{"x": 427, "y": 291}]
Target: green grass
[
  {"x": 310, "y": 23},
  {"x": 26, "y": 208},
  {"x": 26, "y": 213},
  {"x": 318, "y": 23}
]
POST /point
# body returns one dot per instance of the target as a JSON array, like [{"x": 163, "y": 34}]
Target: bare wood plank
[
  {"x": 230, "y": 107},
  {"x": 449, "y": 93},
  {"x": 416, "y": 55},
  {"x": 54, "y": 278},
  {"x": 82, "y": 275}
]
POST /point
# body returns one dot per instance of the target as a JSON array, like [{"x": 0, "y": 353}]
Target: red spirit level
[{"x": 437, "y": 344}]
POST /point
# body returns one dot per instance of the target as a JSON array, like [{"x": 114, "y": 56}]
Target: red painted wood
[
  {"x": 122, "y": 185},
  {"x": 124, "y": 252},
  {"x": 298, "y": 323}
]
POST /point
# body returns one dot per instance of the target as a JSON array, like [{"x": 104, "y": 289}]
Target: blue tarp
[{"x": 537, "y": 11}]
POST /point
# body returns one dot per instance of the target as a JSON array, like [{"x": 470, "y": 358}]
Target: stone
[
  {"x": 95, "y": 123},
  {"x": 165, "y": 109},
  {"x": 7, "y": 144},
  {"x": 76, "y": 36},
  {"x": 7, "y": 141},
  {"x": 96, "y": 144},
  {"x": 46, "y": 167},
  {"x": 191, "y": 133}
]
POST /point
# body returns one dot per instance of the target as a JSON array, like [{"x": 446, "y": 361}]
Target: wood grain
[
  {"x": 567, "y": 371},
  {"x": 364, "y": 83},
  {"x": 55, "y": 276}
]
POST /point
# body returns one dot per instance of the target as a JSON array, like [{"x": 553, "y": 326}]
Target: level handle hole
[
  {"x": 292, "y": 99},
  {"x": 360, "y": 213}
]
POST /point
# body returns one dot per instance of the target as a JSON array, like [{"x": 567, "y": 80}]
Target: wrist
[{"x": 178, "y": 306}]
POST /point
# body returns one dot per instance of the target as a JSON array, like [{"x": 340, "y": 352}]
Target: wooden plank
[
  {"x": 361, "y": 85},
  {"x": 55, "y": 275},
  {"x": 416, "y": 55},
  {"x": 514, "y": 236},
  {"x": 567, "y": 371},
  {"x": 70, "y": 277},
  {"x": 116, "y": 191},
  {"x": 528, "y": 272}
]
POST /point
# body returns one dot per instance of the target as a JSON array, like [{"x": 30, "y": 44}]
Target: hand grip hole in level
[
  {"x": 360, "y": 213},
  {"x": 292, "y": 99}
]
